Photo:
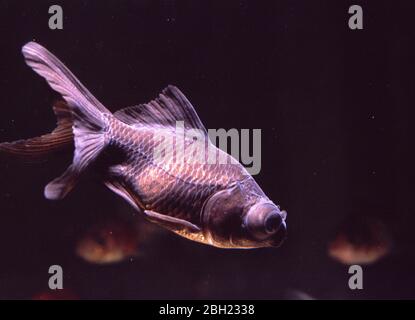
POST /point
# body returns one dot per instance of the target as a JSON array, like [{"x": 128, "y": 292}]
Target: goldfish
[{"x": 158, "y": 157}]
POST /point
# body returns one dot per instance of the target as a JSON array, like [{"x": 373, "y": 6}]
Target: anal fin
[{"x": 61, "y": 186}]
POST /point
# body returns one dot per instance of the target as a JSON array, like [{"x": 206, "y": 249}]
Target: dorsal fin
[{"x": 170, "y": 106}]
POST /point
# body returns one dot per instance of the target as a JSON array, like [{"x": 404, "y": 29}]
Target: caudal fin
[
  {"x": 40, "y": 148},
  {"x": 89, "y": 122}
]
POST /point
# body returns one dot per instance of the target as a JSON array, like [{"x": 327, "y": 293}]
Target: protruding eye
[
  {"x": 273, "y": 223},
  {"x": 263, "y": 220}
]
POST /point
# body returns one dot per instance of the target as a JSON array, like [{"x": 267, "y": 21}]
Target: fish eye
[
  {"x": 264, "y": 220},
  {"x": 272, "y": 223}
]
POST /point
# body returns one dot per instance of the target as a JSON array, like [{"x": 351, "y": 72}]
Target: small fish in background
[
  {"x": 212, "y": 202},
  {"x": 114, "y": 240},
  {"x": 360, "y": 240}
]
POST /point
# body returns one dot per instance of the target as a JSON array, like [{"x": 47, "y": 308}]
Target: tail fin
[
  {"x": 39, "y": 148},
  {"x": 89, "y": 123}
]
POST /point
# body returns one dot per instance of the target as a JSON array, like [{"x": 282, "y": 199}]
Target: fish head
[{"x": 237, "y": 217}]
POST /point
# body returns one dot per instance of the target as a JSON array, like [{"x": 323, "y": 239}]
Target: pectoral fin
[{"x": 171, "y": 223}]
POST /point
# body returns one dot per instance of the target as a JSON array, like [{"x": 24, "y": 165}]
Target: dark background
[{"x": 335, "y": 107}]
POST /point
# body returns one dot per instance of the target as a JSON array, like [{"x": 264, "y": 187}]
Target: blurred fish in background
[
  {"x": 294, "y": 294},
  {"x": 360, "y": 240},
  {"x": 114, "y": 240}
]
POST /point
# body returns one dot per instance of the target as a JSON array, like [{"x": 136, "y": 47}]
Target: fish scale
[{"x": 180, "y": 192}]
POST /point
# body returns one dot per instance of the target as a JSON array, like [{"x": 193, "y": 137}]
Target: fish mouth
[{"x": 279, "y": 237}]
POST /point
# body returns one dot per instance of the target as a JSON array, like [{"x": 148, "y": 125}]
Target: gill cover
[
  {"x": 222, "y": 215},
  {"x": 243, "y": 217}
]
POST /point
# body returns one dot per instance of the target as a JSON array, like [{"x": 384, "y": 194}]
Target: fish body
[{"x": 158, "y": 157}]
